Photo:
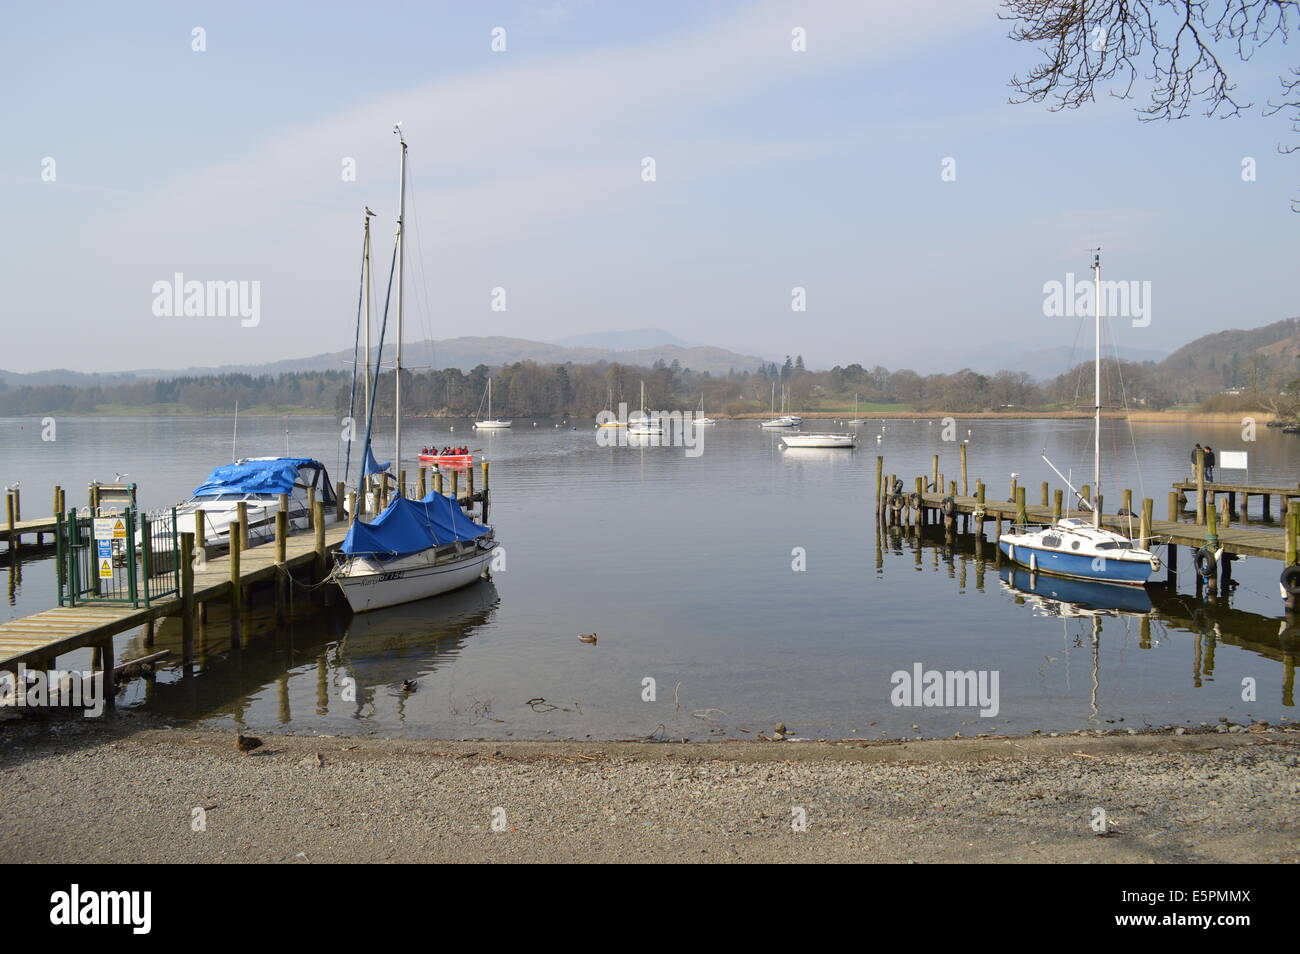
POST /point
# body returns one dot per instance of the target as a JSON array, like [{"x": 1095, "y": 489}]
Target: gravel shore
[{"x": 123, "y": 792}]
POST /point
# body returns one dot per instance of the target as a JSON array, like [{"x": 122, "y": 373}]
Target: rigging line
[
  {"x": 374, "y": 387},
  {"x": 427, "y": 312},
  {"x": 356, "y": 350}
]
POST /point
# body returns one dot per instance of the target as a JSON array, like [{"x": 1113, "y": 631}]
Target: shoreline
[
  {"x": 1146, "y": 417},
  {"x": 125, "y": 791}
]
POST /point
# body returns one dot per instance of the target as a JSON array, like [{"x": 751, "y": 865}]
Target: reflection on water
[{"x": 685, "y": 566}]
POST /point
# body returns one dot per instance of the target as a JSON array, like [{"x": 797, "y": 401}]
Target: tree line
[{"x": 529, "y": 389}]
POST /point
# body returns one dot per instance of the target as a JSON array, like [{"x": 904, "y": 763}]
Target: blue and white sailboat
[
  {"x": 414, "y": 549},
  {"x": 1079, "y": 548}
]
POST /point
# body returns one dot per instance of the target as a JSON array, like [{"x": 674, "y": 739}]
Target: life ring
[
  {"x": 915, "y": 500},
  {"x": 948, "y": 506},
  {"x": 1204, "y": 563},
  {"x": 1291, "y": 580}
]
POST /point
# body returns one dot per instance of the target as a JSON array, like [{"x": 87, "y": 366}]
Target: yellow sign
[
  {"x": 105, "y": 569},
  {"x": 119, "y": 530}
]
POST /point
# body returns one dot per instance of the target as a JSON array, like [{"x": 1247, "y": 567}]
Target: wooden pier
[
  {"x": 1214, "y": 542},
  {"x": 36, "y": 641}
]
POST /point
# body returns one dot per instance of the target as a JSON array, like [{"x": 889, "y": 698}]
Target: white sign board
[
  {"x": 110, "y": 528},
  {"x": 1232, "y": 460}
]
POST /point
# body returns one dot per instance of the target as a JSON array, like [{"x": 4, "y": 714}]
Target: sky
[{"x": 128, "y": 156}]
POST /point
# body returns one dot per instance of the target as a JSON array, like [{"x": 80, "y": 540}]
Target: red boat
[{"x": 448, "y": 460}]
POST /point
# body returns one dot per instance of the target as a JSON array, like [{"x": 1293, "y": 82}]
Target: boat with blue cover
[{"x": 413, "y": 550}]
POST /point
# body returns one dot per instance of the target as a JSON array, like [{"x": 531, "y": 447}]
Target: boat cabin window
[
  {"x": 1074, "y": 544},
  {"x": 1123, "y": 545},
  {"x": 1051, "y": 540}
]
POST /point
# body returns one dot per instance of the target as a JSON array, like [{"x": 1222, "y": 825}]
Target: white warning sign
[
  {"x": 110, "y": 528},
  {"x": 105, "y": 569}
]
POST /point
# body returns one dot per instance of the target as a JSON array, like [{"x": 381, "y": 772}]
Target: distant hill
[
  {"x": 468, "y": 352},
  {"x": 636, "y": 339},
  {"x": 1267, "y": 357}
]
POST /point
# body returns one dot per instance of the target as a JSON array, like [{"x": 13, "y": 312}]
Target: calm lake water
[{"x": 685, "y": 567}]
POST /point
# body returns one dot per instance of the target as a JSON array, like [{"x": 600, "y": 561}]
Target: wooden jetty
[
  {"x": 932, "y": 499},
  {"x": 36, "y": 641}
]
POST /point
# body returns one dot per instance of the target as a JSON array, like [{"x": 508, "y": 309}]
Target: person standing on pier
[{"x": 1209, "y": 464}]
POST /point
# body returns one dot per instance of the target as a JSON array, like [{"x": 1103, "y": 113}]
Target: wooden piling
[
  {"x": 1022, "y": 517},
  {"x": 421, "y": 482},
  {"x": 437, "y": 482},
  {"x": 311, "y": 506},
  {"x": 1144, "y": 526},
  {"x": 934, "y": 474},
  {"x": 340, "y": 495},
  {"x": 1127, "y": 500},
  {"x": 1012, "y": 498},
  {"x": 318, "y": 525},
  {"x": 1175, "y": 506},
  {"x": 401, "y": 483},
  {"x": 1225, "y": 516},
  {"x": 187, "y": 598},
  {"x": 281, "y": 536},
  {"x": 241, "y": 521},
  {"x": 11, "y": 520},
  {"x": 469, "y": 485},
  {"x": 484, "y": 507},
  {"x": 1200, "y": 486},
  {"x": 455, "y": 485},
  {"x": 1043, "y": 488},
  {"x": 1086, "y": 493},
  {"x": 1211, "y": 525},
  {"x": 236, "y": 590},
  {"x": 964, "y": 482},
  {"x": 880, "y": 471},
  {"x": 352, "y": 505},
  {"x": 1292, "y": 521},
  {"x": 1058, "y": 501}
]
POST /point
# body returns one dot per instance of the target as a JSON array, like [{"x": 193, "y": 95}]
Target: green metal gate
[{"x": 127, "y": 558}]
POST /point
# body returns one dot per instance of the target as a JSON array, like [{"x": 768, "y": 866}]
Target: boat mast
[
  {"x": 401, "y": 260},
  {"x": 365, "y": 267},
  {"x": 1096, "y": 425}
]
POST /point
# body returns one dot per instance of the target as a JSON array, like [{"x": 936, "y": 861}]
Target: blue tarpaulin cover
[
  {"x": 370, "y": 465},
  {"x": 409, "y": 526},
  {"x": 276, "y": 476}
]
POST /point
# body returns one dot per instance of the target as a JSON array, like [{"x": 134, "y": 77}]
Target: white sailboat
[
  {"x": 415, "y": 548},
  {"x": 784, "y": 420},
  {"x": 856, "y": 419},
  {"x": 643, "y": 424},
  {"x": 1078, "y": 548},
  {"x": 819, "y": 440},
  {"x": 491, "y": 421},
  {"x": 700, "y": 418}
]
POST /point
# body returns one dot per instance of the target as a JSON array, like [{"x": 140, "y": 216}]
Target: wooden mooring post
[
  {"x": 187, "y": 598},
  {"x": 485, "y": 492},
  {"x": 961, "y": 448},
  {"x": 236, "y": 591}
]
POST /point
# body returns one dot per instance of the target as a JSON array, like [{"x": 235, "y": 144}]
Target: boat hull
[
  {"x": 370, "y": 591},
  {"x": 1078, "y": 566},
  {"x": 448, "y": 460}
]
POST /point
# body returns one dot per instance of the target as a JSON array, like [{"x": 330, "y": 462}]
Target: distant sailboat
[
  {"x": 700, "y": 418},
  {"x": 491, "y": 421},
  {"x": 644, "y": 425}
]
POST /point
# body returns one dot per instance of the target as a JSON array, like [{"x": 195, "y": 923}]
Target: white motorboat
[
  {"x": 256, "y": 482},
  {"x": 819, "y": 440},
  {"x": 1077, "y": 548},
  {"x": 781, "y": 422},
  {"x": 491, "y": 422}
]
